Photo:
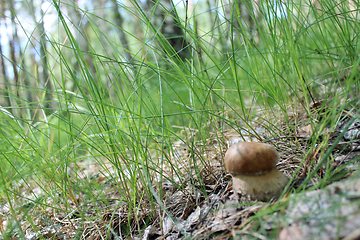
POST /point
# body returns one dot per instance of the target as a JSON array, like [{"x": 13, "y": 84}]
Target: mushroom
[{"x": 253, "y": 166}]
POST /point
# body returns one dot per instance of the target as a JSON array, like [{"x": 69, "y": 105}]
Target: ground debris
[{"x": 201, "y": 204}]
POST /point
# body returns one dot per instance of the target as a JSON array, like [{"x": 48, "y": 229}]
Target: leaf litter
[{"x": 212, "y": 210}]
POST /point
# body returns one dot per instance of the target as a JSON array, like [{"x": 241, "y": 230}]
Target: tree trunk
[
  {"x": 14, "y": 61},
  {"x": 119, "y": 22},
  {"x": 27, "y": 90},
  {"x": 44, "y": 79},
  {"x": 167, "y": 20},
  {"x": 240, "y": 17},
  {"x": 80, "y": 35},
  {"x": 247, "y": 17},
  {"x": 46, "y": 84}
]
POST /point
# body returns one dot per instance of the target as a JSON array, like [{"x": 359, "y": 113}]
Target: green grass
[{"x": 120, "y": 119}]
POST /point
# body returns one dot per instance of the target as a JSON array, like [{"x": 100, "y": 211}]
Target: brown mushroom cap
[
  {"x": 253, "y": 166},
  {"x": 250, "y": 158}
]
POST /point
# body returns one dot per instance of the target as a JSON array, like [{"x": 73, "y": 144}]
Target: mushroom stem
[{"x": 259, "y": 186}]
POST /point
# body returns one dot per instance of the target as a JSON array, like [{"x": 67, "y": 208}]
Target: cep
[{"x": 253, "y": 167}]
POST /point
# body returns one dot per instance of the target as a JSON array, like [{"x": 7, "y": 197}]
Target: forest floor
[{"x": 332, "y": 212}]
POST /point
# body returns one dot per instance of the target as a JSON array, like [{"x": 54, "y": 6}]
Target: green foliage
[{"x": 123, "y": 117}]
